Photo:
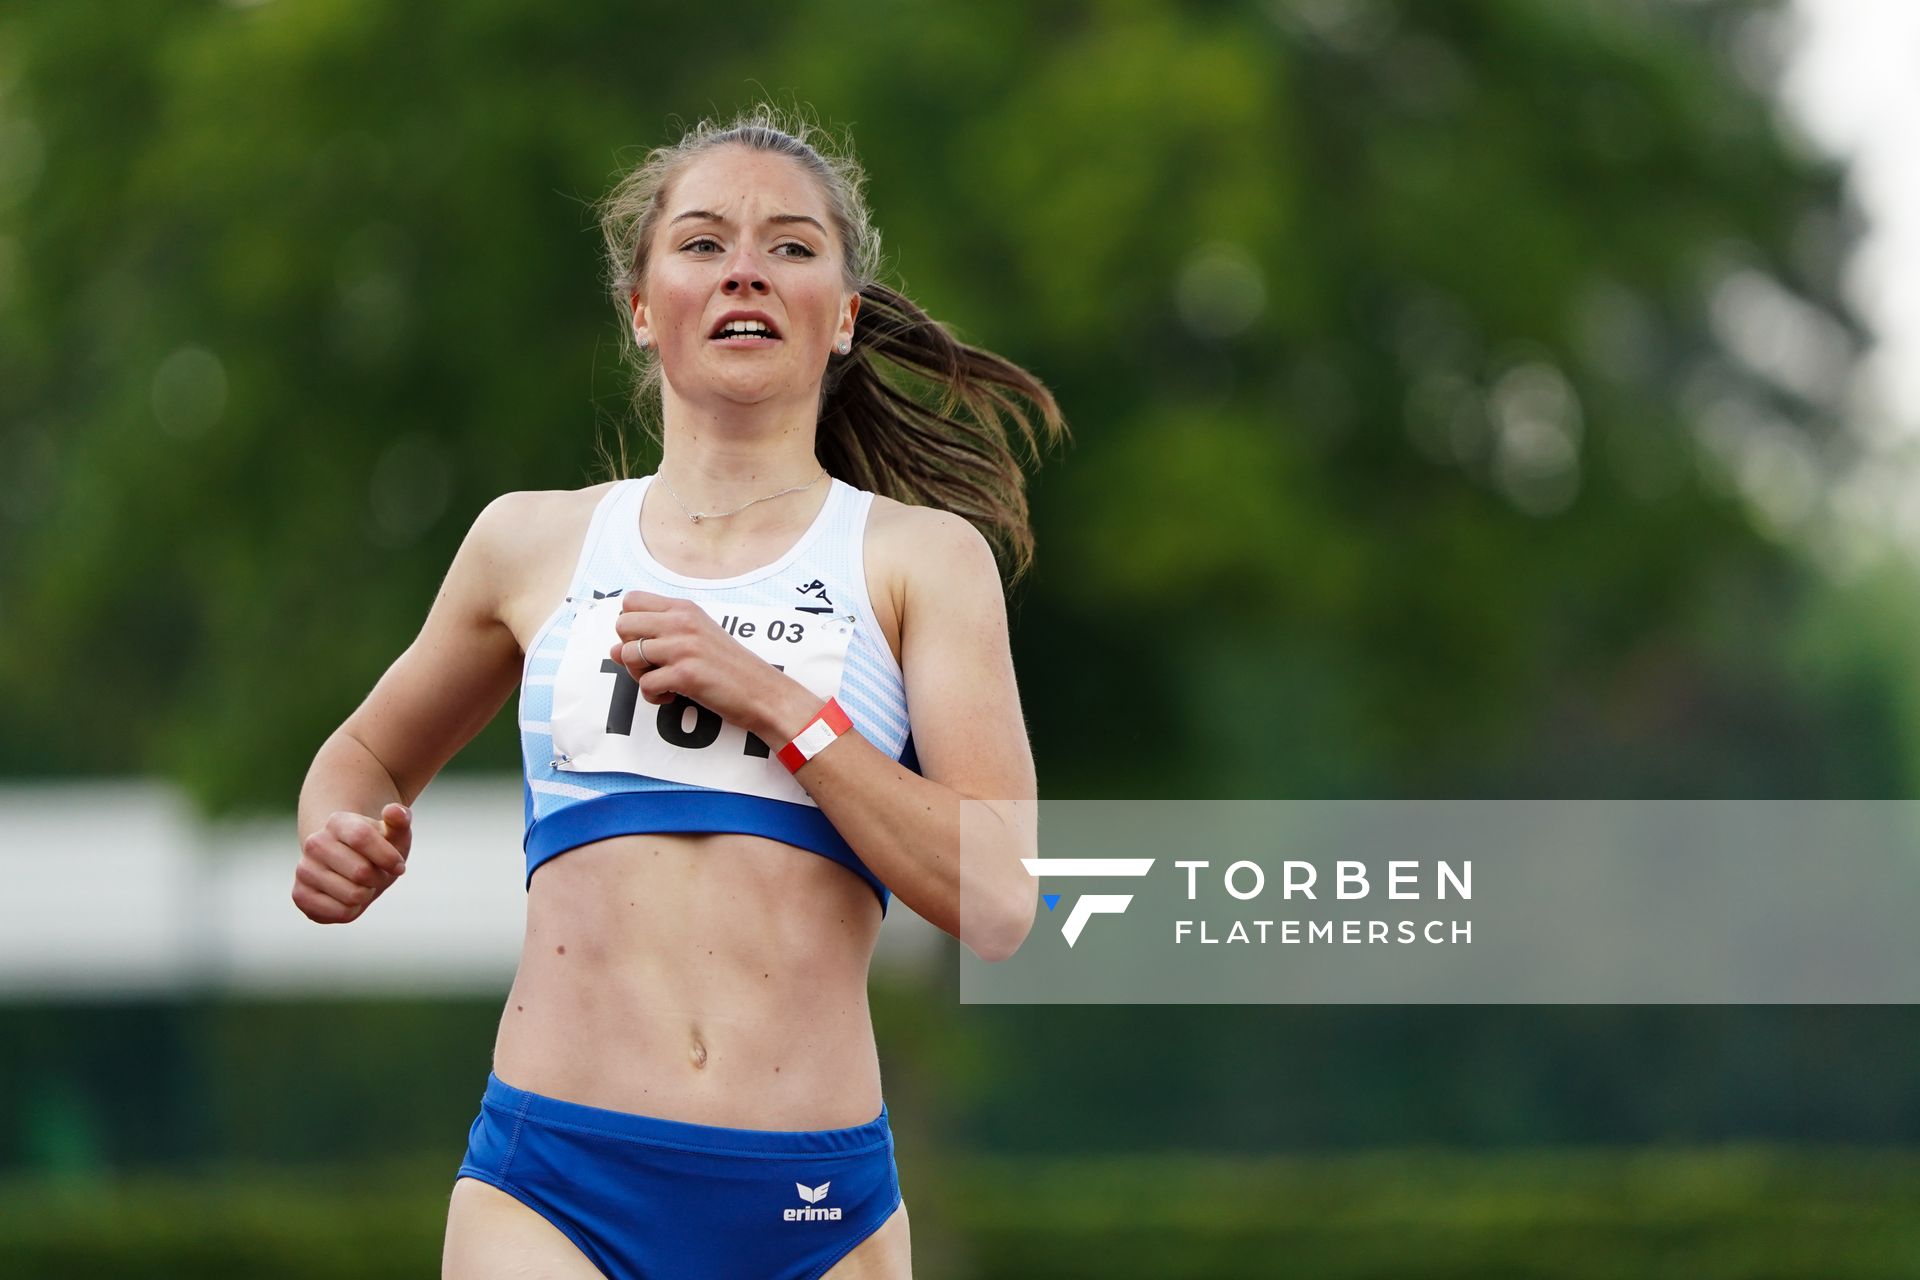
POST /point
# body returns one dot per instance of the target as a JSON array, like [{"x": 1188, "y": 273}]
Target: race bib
[{"x": 602, "y": 725}]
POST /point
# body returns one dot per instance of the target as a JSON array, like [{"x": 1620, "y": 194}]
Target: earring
[
  {"x": 643, "y": 342},
  {"x": 844, "y": 347}
]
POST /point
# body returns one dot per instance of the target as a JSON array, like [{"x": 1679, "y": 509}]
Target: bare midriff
[{"x": 713, "y": 979}]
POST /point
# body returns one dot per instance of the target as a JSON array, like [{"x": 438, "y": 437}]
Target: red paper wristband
[{"x": 827, "y": 724}]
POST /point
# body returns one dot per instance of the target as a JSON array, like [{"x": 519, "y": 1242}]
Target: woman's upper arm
[
  {"x": 968, "y": 731},
  {"x": 459, "y": 670}
]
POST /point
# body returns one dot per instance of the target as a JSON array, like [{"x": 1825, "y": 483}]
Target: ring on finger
[{"x": 641, "y": 645}]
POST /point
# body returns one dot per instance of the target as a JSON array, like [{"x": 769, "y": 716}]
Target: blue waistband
[
  {"x": 624, "y": 813},
  {"x": 541, "y": 1109}
]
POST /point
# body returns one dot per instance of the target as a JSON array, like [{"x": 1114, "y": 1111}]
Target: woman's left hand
[{"x": 688, "y": 655}]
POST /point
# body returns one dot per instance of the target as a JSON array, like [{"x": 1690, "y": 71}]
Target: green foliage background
[
  {"x": 1279, "y": 272},
  {"x": 289, "y": 291}
]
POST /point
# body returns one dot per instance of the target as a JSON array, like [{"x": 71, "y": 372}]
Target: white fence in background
[{"x": 119, "y": 888}]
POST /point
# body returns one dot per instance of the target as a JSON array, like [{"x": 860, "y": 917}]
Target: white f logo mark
[{"x": 1092, "y": 904}]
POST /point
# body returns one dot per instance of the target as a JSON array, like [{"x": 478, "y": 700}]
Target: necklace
[{"x": 698, "y": 516}]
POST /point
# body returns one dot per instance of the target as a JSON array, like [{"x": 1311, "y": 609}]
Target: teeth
[{"x": 745, "y": 326}]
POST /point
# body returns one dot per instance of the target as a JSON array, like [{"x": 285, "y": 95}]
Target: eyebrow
[{"x": 705, "y": 215}]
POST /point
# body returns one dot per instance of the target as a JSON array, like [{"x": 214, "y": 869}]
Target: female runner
[{"x": 756, "y": 690}]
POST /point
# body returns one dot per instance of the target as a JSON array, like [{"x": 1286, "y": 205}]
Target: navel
[{"x": 698, "y": 1053}]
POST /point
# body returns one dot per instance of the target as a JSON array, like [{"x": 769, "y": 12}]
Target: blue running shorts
[{"x": 652, "y": 1199}]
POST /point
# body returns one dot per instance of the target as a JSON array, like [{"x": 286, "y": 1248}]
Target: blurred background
[{"x": 1491, "y": 398}]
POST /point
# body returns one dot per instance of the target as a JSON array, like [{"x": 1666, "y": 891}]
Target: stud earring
[
  {"x": 644, "y": 342},
  {"x": 844, "y": 347}
]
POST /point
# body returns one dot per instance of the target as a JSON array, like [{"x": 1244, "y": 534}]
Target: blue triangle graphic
[{"x": 1052, "y": 900}]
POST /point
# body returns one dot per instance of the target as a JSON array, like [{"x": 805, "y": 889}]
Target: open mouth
[{"x": 746, "y": 332}]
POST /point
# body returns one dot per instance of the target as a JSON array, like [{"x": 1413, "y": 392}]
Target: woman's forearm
[
  {"x": 908, "y": 830},
  {"x": 345, "y": 777}
]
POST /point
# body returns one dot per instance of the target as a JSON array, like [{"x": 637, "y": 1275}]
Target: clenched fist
[{"x": 349, "y": 862}]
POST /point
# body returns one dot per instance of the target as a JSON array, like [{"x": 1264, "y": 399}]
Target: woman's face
[{"x": 744, "y": 231}]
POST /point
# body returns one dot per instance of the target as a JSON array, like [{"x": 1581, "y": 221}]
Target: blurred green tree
[{"x": 1409, "y": 391}]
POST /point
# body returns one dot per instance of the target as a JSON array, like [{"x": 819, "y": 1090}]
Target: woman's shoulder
[
  {"x": 524, "y": 521},
  {"x": 524, "y": 511},
  {"x": 907, "y": 522},
  {"x": 529, "y": 525},
  {"x": 529, "y": 540},
  {"x": 911, "y": 541}
]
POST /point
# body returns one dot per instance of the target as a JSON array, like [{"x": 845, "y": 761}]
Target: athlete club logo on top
[
  {"x": 1087, "y": 905},
  {"x": 601, "y": 726},
  {"x": 814, "y": 1212}
]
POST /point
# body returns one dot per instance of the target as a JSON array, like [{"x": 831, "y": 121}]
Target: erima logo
[
  {"x": 812, "y": 1213},
  {"x": 1090, "y": 904}
]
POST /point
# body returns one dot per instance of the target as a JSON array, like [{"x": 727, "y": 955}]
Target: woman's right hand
[{"x": 349, "y": 862}]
